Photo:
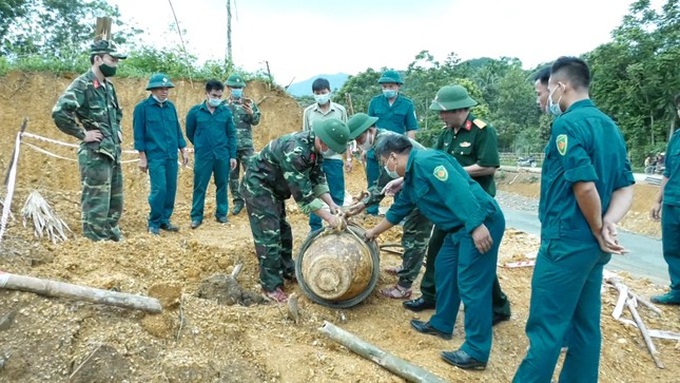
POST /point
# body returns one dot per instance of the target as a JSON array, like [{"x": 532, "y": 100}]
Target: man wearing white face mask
[{"x": 324, "y": 109}]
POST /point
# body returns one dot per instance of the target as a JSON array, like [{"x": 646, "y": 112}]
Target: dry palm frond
[{"x": 45, "y": 221}]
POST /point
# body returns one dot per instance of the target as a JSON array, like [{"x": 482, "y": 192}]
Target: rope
[
  {"x": 10, "y": 187},
  {"x": 43, "y": 151}
]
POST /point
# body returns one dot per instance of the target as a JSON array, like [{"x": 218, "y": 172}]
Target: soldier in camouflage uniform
[
  {"x": 290, "y": 165},
  {"x": 91, "y": 100},
  {"x": 417, "y": 228},
  {"x": 246, "y": 115}
]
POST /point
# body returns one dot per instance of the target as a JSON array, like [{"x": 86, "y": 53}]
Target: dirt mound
[{"x": 201, "y": 340}]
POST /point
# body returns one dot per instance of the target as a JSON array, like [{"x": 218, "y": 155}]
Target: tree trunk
[{"x": 90, "y": 294}]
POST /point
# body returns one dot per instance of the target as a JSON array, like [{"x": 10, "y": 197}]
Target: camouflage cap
[
  {"x": 359, "y": 123},
  {"x": 235, "y": 81},
  {"x": 108, "y": 47},
  {"x": 333, "y": 133}
]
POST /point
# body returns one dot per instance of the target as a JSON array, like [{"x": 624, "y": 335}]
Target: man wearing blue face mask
[
  {"x": 323, "y": 109},
  {"x": 210, "y": 128},
  {"x": 582, "y": 199},
  {"x": 395, "y": 113}
]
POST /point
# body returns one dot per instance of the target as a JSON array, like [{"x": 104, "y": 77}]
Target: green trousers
[
  {"x": 204, "y": 168},
  {"x": 414, "y": 239},
  {"x": 670, "y": 234},
  {"x": 102, "y": 195},
  {"x": 235, "y": 182},
  {"x": 163, "y": 177},
  {"x": 565, "y": 299},
  {"x": 500, "y": 302},
  {"x": 465, "y": 275}
]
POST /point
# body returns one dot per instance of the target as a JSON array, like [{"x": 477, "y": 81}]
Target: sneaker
[
  {"x": 670, "y": 298},
  {"x": 195, "y": 224},
  {"x": 396, "y": 292},
  {"x": 222, "y": 219},
  {"x": 277, "y": 295},
  {"x": 169, "y": 227},
  {"x": 154, "y": 231}
]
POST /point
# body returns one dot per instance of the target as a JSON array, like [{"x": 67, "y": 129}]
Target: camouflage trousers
[
  {"x": 235, "y": 184},
  {"x": 272, "y": 235},
  {"x": 415, "y": 237},
  {"x": 102, "y": 195}
]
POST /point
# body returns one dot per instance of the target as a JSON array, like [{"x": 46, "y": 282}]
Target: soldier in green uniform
[
  {"x": 473, "y": 143},
  {"x": 246, "y": 115},
  {"x": 290, "y": 165},
  {"x": 157, "y": 137},
  {"x": 395, "y": 113},
  {"x": 210, "y": 128},
  {"x": 667, "y": 208},
  {"x": 581, "y": 201},
  {"x": 91, "y": 100},
  {"x": 417, "y": 227},
  {"x": 442, "y": 190}
]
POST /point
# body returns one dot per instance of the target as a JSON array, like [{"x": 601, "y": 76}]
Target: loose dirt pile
[{"x": 202, "y": 340}]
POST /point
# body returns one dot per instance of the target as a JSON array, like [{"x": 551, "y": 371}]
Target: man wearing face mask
[
  {"x": 91, "y": 101},
  {"x": 473, "y": 143},
  {"x": 417, "y": 227},
  {"x": 158, "y": 136},
  {"x": 322, "y": 109},
  {"x": 291, "y": 165},
  {"x": 210, "y": 128},
  {"x": 581, "y": 201},
  {"x": 395, "y": 113},
  {"x": 246, "y": 115}
]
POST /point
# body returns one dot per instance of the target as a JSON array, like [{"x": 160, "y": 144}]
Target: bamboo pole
[
  {"x": 10, "y": 179},
  {"x": 386, "y": 360},
  {"x": 85, "y": 293},
  {"x": 645, "y": 334}
]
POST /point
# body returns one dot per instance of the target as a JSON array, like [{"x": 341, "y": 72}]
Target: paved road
[{"x": 644, "y": 260}]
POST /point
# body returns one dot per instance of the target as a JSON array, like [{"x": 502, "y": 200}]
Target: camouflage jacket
[
  {"x": 96, "y": 107},
  {"x": 289, "y": 165},
  {"x": 244, "y": 122},
  {"x": 374, "y": 191}
]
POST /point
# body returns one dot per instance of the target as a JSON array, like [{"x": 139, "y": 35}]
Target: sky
[{"x": 302, "y": 38}]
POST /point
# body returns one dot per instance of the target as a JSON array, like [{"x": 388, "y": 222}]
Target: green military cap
[
  {"x": 105, "y": 46},
  {"x": 452, "y": 97},
  {"x": 159, "y": 80},
  {"x": 333, "y": 133},
  {"x": 390, "y": 76},
  {"x": 235, "y": 81},
  {"x": 359, "y": 123}
]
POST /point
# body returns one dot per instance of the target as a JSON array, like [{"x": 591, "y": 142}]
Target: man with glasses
[
  {"x": 91, "y": 101},
  {"x": 474, "y": 144},
  {"x": 211, "y": 130}
]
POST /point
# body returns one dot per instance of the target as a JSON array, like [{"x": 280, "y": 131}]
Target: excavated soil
[{"x": 214, "y": 340}]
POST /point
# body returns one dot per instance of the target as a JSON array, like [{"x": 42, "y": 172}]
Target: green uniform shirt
[
  {"x": 475, "y": 143},
  {"x": 289, "y": 165},
  {"x": 375, "y": 191},
  {"x": 400, "y": 117},
  {"x": 212, "y": 134},
  {"x": 156, "y": 129},
  {"x": 244, "y": 122},
  {"x": 671, "y": 193},
  {"x": 585, "y": 146},
  {"x": 95, "y": 106},
  {"x": 442, "y": 190}
]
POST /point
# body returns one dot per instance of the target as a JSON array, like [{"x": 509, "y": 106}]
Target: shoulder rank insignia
[
  {"x": 480, "y": 124},
  {"x": 440, "y": 173},
  {"x": 465, "y": 144},
  {"x": 562, "y": 141}
]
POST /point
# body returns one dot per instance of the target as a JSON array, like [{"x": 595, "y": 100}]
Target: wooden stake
[
  {"x": 90, "y": 294},
  {"x": 386, "y": 360},
  {"x": 645, "y": 334},
  {"x": 102, "y": 30}
]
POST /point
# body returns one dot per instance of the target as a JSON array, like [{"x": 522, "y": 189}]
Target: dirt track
[{"x": 199, "y": 340}]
